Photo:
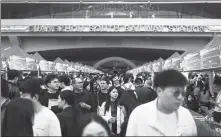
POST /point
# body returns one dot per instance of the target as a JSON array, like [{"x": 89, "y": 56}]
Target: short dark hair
[
  {"x": 168, "y": 78},
  {"x": 127, "y": 77},
  {"x": 4, "y": 88},
  {"x": 31, "y": 86},
  {"x": 49, "y": 78},
  {"x": 138, "y": 81},
  {"x": 68, "y": 96},
  {"x": 106, "y": 79},
  {"x": 65, "y": 79},
  {"x": 13, "y": 74}
]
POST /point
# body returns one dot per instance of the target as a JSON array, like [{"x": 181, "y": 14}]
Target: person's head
[
  {"x": 78, "y": 84},
  {"x": 127, "y": 78},
  {"x": 116, "y": 82},
  {"x": 138, "y": 82},
  {"x": 113, "y": 93},
  {"x": 4, "y": 88},
  {"x": 86, "y": 86},
  {"x": 18, "y": 120},
  {"x": 13, "y": 75},
  {"x": 52, "y": 82},
  {"x": 148, "y": 83},
  {"x": 65, "y": 99},
  {"x": 34, "y": 74},
  {"x": 93, "y": 125},
  {"x": 30, "y": 89},
  {"x": 127, "y": 104},
  {"x": 104, "y": 83},
  {"x": 170, "y": 85},
  {"x": 64, "y": 81}
]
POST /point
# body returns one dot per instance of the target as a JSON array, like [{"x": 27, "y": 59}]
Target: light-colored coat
[{"x": 106, "y": 116}]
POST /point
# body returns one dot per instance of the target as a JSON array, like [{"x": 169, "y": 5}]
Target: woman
[
  {"x": 127, "y": 105},
  {"x": 69, "y": 116},
  {"x": 192, "y": 103},
  {"x": 18, "y": 120},
  {"x": 111, "y": 111},
  {"x": 93, "y": 125}
]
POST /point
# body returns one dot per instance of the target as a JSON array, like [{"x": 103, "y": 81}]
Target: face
[
  {"x": 54, "y": 84},
  {"x": 171, "y": 97},
  {"x": 88, "y": 87},
  {"x": 104, "y": 85},
  {"x": 114, "y": 94},
  {"x": 116, "y": 83},
  {"x": 94, "y": 129},
  {"x": 123, "y": 110},
  {"x": 62, "y": 85},
  {"x": 61, "y": 102},
  {"x": 78, "y": 84}
]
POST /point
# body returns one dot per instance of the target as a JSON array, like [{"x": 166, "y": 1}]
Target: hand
[
  {"x": 84, "y": 105},
  {"x": 112, "y": 120}
]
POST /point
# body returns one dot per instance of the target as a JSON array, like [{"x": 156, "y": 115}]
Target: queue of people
[{"x": 96, "y": 105}]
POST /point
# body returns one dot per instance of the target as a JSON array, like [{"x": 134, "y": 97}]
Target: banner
[
  {"x": 176, "y": 63},
  {"x": 47, "y": 66},
  {"x": 191, "y": 62}
]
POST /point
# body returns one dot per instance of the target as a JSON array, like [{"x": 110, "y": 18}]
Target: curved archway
[{"x": 126, "y": 61}]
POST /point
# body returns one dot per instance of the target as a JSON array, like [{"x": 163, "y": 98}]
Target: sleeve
[
  {"x": 54, "y": 126},
  {"x": 132, "y": 124},
  {"x": 102, "y": 112}
]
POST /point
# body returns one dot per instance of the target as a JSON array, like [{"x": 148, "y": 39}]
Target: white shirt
[
  {"x": 128, "y": 86},
  {"x": 67, "y": 88},
  {"x": 46, "y": 123},
  {"x": 144, "y": 121}
]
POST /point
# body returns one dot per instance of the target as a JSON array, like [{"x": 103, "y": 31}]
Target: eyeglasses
[{"x": 56, "y": 82}]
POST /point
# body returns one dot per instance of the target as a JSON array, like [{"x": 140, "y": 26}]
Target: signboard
[
  {"x": 110, "y": 28},
  {"x": 22, "y": 63},
  {"x": 191, "y": 61},
  {"x": 60, "y": 67},
  {"x": 47, "y": 66},
  {"x": 157, "y": 66},
  {"x": 210, "y": 57}
]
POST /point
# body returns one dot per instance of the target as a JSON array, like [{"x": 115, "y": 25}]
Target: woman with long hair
[
  {"x": 18, "y": 120},
  {"x": 127, "y": 104},
  {"x": 111, "y": 111},
  {"x": 69, "y": 116},
  {"x": 93, "y": 125}
]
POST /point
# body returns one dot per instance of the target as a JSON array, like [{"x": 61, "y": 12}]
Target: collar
[
  {"x": 67, "y": 109},
  {"x": 66, "y": 88},
  {"x": 155, "y": 123}
]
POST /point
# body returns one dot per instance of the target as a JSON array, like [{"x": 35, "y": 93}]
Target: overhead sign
[{"x": 109, "y": 28}]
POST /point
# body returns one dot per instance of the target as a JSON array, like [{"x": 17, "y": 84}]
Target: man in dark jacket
[
  {"x": 4, "y": 97},
  {"x": 145, "y": 94},
  {"x": 13, "y": 76},
  {"x": 84, "y": 99}
]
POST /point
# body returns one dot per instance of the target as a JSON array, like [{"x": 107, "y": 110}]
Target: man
[
  {"x": 117, "y": 85},
  {"x": 45, "y": 122},
  {"x": 128, "y": 84},
  {"x": 65, "y": 83},
  {"x": 83, "y": 98},
  {"x": 13, "y": 76},
  {"x": 144, "y": 94},
  {"x": 103, "y": 94},
  {"x": 49, "y": 97},
  {"x": 4, "y": 98},
  {"x": 164, "y": 116}
]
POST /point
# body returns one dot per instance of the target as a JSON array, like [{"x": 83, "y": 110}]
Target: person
[
  {"x": 144, "y": 94},
  {"x": 217, "y": 110},
  {"x": 46, "y": 122},
  {"x": 117, "y": 85},
  {"x": 192, "y": 103},
  {"x": 70, "y": 115},
  {"x": 127, "y": 105},
  {"x": 13, "y": 76},
  {"x": 103, "y": 93},
  {"x": 83, "y": 98},
  {"x": 65, "y": 82},
  {"x": 86, "y": 86},
  {"x": 18, "y": 119},
  {"x": 111, "y": 111},
  {"x": 49, "y": 98},
  {"x": 128, "y": 82},
  {"x": 164, "y": 116},
  {"x": 4, "y": 97},
  {"x": 93, "y": 125}
]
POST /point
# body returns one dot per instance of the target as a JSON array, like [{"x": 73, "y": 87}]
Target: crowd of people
[{"x": 104, "y": 105}]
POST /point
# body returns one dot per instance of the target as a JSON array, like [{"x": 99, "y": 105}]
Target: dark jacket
[
  {"x": 203, "y": 129},
  {"x": 87, "y": 98},
  {"x": 13, "y": 90},
  {"x": 68, "y": 121},
  {"x": 145, "y": 94},
  {"x": 3, "y": 109}
]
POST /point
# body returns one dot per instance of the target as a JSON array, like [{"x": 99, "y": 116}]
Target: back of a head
[
  {"x": 31, "y": 86},
  {"x": 65, "y": 79},
  {"x": 169, "y": 78},
  {"x": 68, "y": 96},
  {"x": 13, "y": 74},
  {"x": 138, "y": 81},
  {"x": 126, "y": 78},
  {"x": 4, "y": 88},
  {"x": 18, "y": 118}
]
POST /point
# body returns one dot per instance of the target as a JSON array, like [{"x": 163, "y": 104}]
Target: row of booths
[
  {"x": 17, "y": 59},
  {"x": 206, "y": 60}
]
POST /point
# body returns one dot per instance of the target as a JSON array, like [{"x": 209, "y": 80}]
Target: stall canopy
[
  {"x": 37, "y": 56},
  {"x": 67, "y": 62},
  {"x": 58, "y": 60},
  {"x": 176, "y": 54},
  {"x": 14, "y": 50}
]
